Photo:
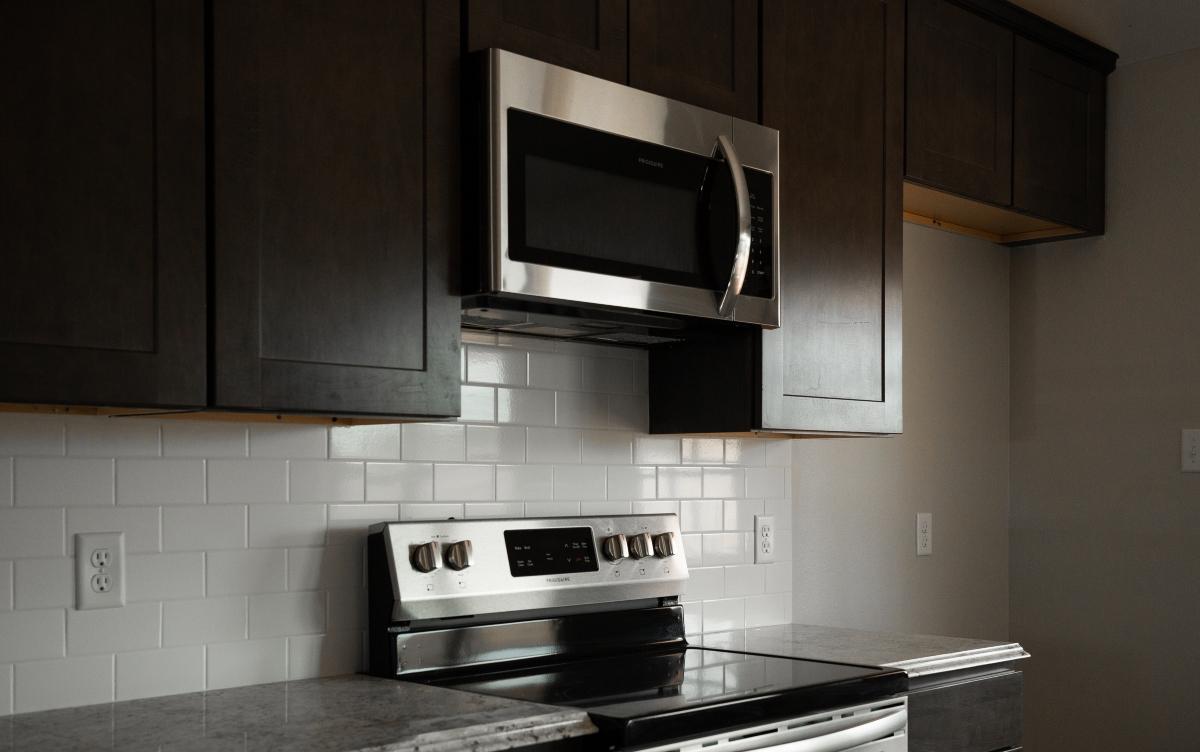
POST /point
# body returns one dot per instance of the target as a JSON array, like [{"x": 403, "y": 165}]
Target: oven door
[{"x": 603, "y": 195}]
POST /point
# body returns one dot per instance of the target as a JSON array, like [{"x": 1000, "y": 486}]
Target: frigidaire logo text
[
  {"x": 558, "y": 579},
  {"x": 649, "y": 162}
]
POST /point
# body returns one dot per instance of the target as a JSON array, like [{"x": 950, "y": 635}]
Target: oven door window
[{"x": 592, "y": 201}]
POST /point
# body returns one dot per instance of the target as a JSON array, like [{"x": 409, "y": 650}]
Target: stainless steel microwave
[{"x": 598, "y": 200}]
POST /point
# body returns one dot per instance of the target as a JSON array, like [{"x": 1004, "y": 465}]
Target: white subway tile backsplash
[
  {"x": 702, "y": 451},
  {"x": 496, "y": 365},
  {"x": 140, "y": 525},
  {"x": 281, "y": 614},
  {"x": 325, "y": 481},
  {"x": 183, "y": 438},
  {"x": 55, "y": 482},
  {"x": 399, "y": 481},
  {"x": 43, "y": 583},
  {"x": 112, "y": 437},
  {"x": 246, "y": 540},
  {"x": 679, "y": 482},
  {"x": 553, "y": 445},
  {"x": 607, "y": 448},
  {"x": 700, "y": 515},
  {"x": 247, "y": 481},
  {"x": 234, "y": 664},
  {"x": 31, "y": 532},
  {"x": 464, "y": 482},
  {"x": 524, "y": 482},
  {"x": 32, "y": 435},
  {"x": 288, "y": 441},
  {"x": 134, "y": 626},
  {"x": 549, "y": 370},
  {"x": 724, "y": 482},
  {"x": 203, "y": 528},
  {"x": 580, "y": 410},
  {"x": 6, "y": 585},
  {"x": 6, "y": 685},
  {"x": 291, "y": 525},
  {"x": 30, "y": 635},
  {"x": 324, "y": 655},
  {"x": 478, "y": 404},
  {"x": 257, "y": 570},
  {"x": 365, "y": 442},
  {"x": 142, "y": 482},
  {"x": 632, "y": 482},
  {"x": 160, "y": 577},
  {"x": 526, "y": 407},
  {"x": 46, "y": 685},
  {"x": 153, "y": 673},
  {"x": 204, "y": 620},
  {"x": 579, "y": 482},
  {"x": 505, "y": 444},
  {"x": 656, "y": 450},
  {"x": 433, "y": 442}
]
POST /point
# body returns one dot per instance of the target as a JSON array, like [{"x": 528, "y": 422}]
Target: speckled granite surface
[
  {"x": 919, "y": 655},
  {"x": 342, "y": 714}
]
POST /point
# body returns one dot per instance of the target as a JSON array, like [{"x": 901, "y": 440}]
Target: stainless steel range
[{"x": 584, "y": 612}]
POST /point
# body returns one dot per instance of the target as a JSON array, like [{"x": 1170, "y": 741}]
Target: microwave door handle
[{"x": 741, "y": 259}]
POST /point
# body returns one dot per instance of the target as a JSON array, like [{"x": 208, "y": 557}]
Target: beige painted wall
[
  {"x": 855, "y": 500},
  {"x": 1106, "y": 371}
]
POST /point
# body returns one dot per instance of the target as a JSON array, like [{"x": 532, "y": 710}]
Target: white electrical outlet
[
  {"x": 99, "y": 570},
  {"x": 1190, "y": 450},
  {"x": 764, "y": 539},
  {"x": 924, "y": 533}
]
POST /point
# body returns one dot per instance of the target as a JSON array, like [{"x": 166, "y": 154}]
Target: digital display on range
[{"x": 560, "y": 550}]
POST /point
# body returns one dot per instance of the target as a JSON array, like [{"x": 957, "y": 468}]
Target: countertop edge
[{"x": 956, "y": 661}]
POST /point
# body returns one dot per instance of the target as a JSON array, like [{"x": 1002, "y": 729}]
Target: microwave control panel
[{"x": 760, "y": 274}]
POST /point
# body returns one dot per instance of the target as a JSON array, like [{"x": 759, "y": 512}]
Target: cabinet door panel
[
  {"x": 704, "y": 52},
  {"x": 589, "y": 36},
  {"x": 102, "y": 204},
  {"x": 834, "y": 362},
  {"x": 979, "y": 715},
  {"x": 331, "y": 296},
  {"x": 960, "y": 90},
  {"x": 1058, "y": 149}
]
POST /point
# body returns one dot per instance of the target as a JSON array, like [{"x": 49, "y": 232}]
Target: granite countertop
[
  {"x": 919, "y": 655},
  {"x": 342, "y": 714}
]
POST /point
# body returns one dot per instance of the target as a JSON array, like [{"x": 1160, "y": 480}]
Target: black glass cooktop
[{"x": 642, "y": 697}]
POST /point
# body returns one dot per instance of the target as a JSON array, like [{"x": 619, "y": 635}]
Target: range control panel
[{"x": 455, "y": 568}]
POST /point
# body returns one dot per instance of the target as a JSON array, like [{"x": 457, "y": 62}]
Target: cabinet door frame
[
  {"x": 486, "y": 27},
  {"x": 172, "y": 374},
  {"x": 924, "y": 163},
  {"x": 798, "y": 413},
  {"x": 244, "y": 380},
  {"x": 740, "y": 99}
]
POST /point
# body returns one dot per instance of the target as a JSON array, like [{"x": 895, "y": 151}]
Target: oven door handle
[
  {"x": 741, "y": 259},
  {"x": 849, "y": 738}
]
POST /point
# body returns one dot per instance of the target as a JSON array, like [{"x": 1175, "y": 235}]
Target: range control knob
[
  {"x": 460, "y": 555},
  {"x": 427, "y": 557},
  {"x": 640, "y": 546},
  {"x": 615, "y": 547},
  {"x": 664, "y": 545}
]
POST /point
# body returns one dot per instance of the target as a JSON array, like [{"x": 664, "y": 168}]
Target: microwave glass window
[{"x": 585, "y": 212}]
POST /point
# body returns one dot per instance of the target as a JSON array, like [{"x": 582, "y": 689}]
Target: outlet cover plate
[
  {"x": 1190, "y": 451},
  {"x": 99, "y": 570},
  {"x": 924, "y": 533},
  {"x": 764, "y": 539}
]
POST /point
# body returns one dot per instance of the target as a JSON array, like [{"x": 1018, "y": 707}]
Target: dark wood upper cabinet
[
  {"x": 704, "y": 52},
  {"x": 335, "y": 177},
  {"x": 102, "y": 299},
  {"x": 833, "y": 85},
  {"x": 1058, "y": 145},
  {"x": 1005, "y": 123},
  {"x": 590, "y": 36},
  {"x": 960, "y": 101}
]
